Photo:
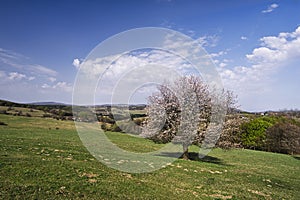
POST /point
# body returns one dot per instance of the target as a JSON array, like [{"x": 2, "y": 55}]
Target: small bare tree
[{"x": 181, "y": 112}]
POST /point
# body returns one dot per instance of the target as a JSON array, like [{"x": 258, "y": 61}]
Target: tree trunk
[{"x": 185, "y": 154}]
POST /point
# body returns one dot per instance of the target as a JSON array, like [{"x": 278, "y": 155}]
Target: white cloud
[
  {"x": 222, "y": 64},
  {"x": 19, "y": 74},
  {"x": 244, "y": 38},
  {"x": 76, "y": 63},
  {"x": 218, "y": 54},
  {"x": 217, "y": 58},
  {"x": 118, "y": 65},
  {"x": 9, "y": 77},
  {"x": 129, "y": 71},
  {"x": 16, "y": 76},
  {"x": 270, "y": 8},
  {"x": 4, "y": 53},
  {"x": 63, "y": 86},
  {"x": 42, "y": 70},
  {"x": 208, "y": 41},
  {"x": 52, "y": 79},
  {"x": 274, "y": 53},
  {"x": 277, "y": 49},
  {"x": 126, "y": 69},
  {"x": 20, "y": 62},
  {"x": 31, "y": 78},
  {"x": 45, "y": 86}
]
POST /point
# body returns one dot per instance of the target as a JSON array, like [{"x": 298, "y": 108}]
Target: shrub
[
  {"x": 3, "y": 124},
  {"x": 283, "y": 138},
  {"x": 106, "y": 119},
  {"x": 231, "y": 132},
  {"x": 3, "y": 112},
  {"x": 138, "y": 121},
  {"x": 130, "y": 127},
  {"x": 104, "y": 127},
  {"x": 254, "y": 133},
  {"x": 9, "y": 108},
  {"x": 115, "y": 128},
  {"x": 46, "y": 115}
]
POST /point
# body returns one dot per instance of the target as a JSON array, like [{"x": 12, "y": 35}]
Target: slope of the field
[{"x": 45, "y": 159}]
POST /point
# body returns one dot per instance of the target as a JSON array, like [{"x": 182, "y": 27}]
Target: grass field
[
  {"x": 15, "y": 110},
  {"x": 45, "y": 159}
]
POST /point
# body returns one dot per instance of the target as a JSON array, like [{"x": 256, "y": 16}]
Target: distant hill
[
  {"x": 37, "y": 105},
  {"x": 9, "y": 103},
  {"x": 58, "y": 105},
  {"x": 49, "y": 103}
]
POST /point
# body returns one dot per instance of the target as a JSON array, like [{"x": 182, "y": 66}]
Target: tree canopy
[{"x": 184, "y": 111}]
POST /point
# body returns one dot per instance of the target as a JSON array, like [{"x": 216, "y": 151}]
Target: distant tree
[
  {"x": 181, "y": 112},
  {"x": 9, "y": 108},
  {"x": 283, "y": 138},
  {"x": 253, "y": 132}
]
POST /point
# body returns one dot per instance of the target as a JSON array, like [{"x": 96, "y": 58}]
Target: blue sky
[{"x": 255, "y": 44}]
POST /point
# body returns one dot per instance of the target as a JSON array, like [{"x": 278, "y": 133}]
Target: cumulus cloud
[
  {"x": 217, "y": 58},
  {"x": 277, "y": 49},
  {"x": 273, "y": 53},
  {"x": 270, "y": 8},
  {"x": 18, "y": 76},
  {"x": 76, "y": 63},
  {"x": 140, "y": 66},
  {"x": 61, "y": 85},
  {"x": 126, "y": 72}
]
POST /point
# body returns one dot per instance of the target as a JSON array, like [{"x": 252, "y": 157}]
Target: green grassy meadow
[{"x": 42, "y": 158}]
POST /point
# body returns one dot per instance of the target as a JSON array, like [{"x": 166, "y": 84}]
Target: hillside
[{"x": 45, "y": 159}]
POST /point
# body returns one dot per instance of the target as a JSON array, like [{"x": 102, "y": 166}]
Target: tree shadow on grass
[
  {"x": 194, "y": 157},
  {"x": 297, "y": 157}
]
